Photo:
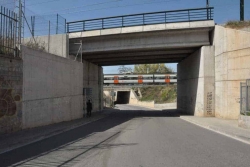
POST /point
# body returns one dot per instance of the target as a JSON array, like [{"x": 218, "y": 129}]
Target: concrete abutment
[
  {"x": 195, "y": 85},
  {"x": 232, "y": 66},
  {"x": 209, "y": 79}
]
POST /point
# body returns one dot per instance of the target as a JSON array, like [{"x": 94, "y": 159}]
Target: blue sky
[{"x": 74, "y": 10}]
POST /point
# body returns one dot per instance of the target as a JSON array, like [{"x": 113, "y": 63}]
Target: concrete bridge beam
[{"x": 144, "y": 41}]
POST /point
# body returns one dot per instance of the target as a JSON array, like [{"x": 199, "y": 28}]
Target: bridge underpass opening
[
  {"x": 123, "y": 97},
  {"x": 195, "y": 85}
]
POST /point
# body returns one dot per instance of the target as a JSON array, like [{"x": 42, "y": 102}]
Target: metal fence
[
  {"x": 43, "y": 25},
  {"x": 174, "y": 16},
  {"x": 245, "y": 97},
  {"x": 38, "y": 30},
  {"x": 8, "y": 32}
]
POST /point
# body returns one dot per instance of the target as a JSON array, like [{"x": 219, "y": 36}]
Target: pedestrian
[{"x": 89, "y": 108}]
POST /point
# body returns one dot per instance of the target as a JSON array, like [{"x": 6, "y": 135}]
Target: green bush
[
  {"x": 36, "y": 45},
  {"x": 247, "y": 114},
  {"x": 160, "y": 94},
  {"x": 237, "y": 24}
]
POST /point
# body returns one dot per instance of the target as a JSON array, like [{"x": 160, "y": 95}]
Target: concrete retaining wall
[
  {"x": 135, "y": 101},
  {"x": 195, "y": 87},
  {"x": 11, "y": 81},
  {"x": 55, "y": 44},
  {"x": 53, "y": 88},
  {"x": 232, "y": 66}
]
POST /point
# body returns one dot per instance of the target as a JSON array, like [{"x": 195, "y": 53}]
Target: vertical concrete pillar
[
  {"x": 195, "y": 87},
  {"x": 100, "y": 81},
  {"x": 92, "y": 79}
]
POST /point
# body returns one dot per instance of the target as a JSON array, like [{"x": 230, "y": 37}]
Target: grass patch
[
  {"x": 36, "y": 45},
  {"x": 237, "y": 24},
  {"x": 247, "y": 114},
  {"x": 160, "y": 94}
]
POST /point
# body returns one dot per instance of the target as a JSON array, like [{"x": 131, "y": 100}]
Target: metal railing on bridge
[{"x": 173, "y": 16}]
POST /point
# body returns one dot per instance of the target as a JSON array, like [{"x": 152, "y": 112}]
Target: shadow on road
[{"x": 115, "y": 117}]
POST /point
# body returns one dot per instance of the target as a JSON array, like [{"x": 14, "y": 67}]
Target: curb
[
  {"x": 216, "y": 130},
  {"x": 51, "y": 135},
  {"x": 145, "y": 107}
]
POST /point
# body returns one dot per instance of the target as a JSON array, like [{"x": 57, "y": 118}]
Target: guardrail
[{"x": 173, "y": 16}]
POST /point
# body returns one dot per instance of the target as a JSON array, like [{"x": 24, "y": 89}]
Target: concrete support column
[
  {"x": 92, "y": 79},
  {"x": 195, "y": 85},
  {"x": 100, "y": 81}
]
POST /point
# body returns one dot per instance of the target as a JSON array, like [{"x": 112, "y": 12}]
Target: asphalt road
[{"x": 133, "y": 137}]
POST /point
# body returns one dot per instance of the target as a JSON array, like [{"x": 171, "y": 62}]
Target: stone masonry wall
[{"x": 11, "y": 73}]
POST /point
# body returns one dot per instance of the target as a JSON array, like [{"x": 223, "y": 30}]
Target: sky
[{"x": 74, "y": 10}]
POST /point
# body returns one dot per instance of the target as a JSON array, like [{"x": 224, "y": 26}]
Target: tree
[
  {"x": 152, "y": 68},
  {"x": 122, "y": 69}
]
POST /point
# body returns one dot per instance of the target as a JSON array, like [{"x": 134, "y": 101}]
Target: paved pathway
[
  {"x": 14, "y": 140},
  {"x": 229, "y": 128},
  {"x": 136, "y": 138}
]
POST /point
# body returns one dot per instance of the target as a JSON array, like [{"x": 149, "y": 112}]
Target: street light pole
[
  {"x": 207, "y": 6},
  {"x": 241, "y": 10},
  {"x": 207, "y": 3}
]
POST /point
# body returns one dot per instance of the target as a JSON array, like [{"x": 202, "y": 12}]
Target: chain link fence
[
  {"x": 9, "y": 4},
  {"x": 40, "y": 32},
  {"x": 19, "y": 25},
  {"x": 43, "y": 25},
  {"x": 245, "y": 97}
]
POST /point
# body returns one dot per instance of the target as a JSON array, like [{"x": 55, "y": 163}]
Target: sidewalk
[
  {"x": 18, "y": 139},
  {"x": 226, "y": 127}
]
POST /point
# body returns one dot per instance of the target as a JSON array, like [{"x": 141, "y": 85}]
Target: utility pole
[
  {"x": 241, "y": 10},
  {"x": 207, "y": 6}
]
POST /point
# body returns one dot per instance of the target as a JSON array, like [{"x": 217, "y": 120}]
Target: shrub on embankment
[
  {"x": 160, "y": 94},
  {"x": 237, "y": 24}
]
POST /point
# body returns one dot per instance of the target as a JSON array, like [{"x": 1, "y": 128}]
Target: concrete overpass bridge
[
  {"x": 208, "y": 77},
  {"x": 162, "y": 37},
  {"x": 181, "y": 36}
]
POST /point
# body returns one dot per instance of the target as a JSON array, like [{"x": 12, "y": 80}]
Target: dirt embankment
[{"x": 160, "y": 94}]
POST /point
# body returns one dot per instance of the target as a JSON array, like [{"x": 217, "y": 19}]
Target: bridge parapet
[{"x": 173, "y": 16}]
